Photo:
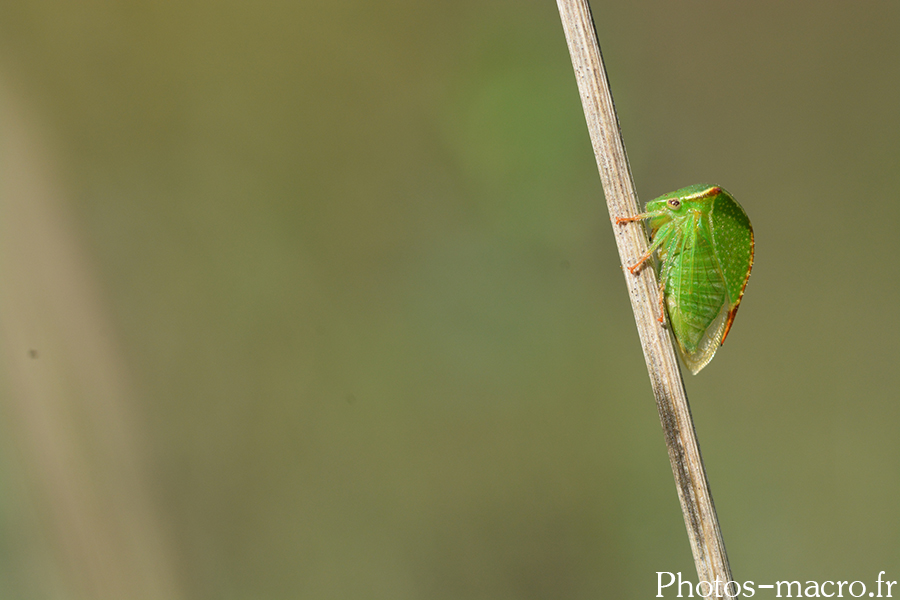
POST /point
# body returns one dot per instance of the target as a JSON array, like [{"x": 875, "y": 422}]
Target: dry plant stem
[{"x": 662, "y": 365}]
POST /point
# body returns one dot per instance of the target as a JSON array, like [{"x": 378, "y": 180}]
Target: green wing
[{"x": 695, "y": 292}]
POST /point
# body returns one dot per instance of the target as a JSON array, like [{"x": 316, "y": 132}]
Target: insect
[{"x": 704, "y": 241}]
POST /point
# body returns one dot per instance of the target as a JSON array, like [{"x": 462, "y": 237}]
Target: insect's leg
[
  {"x": 640, "y": 217},
  {"x": 662, "y": 302},
  {"x": 660, "y": 239},
  {"x": 663, "y": 277},
  {"x": 633, "y": 269},
  {"x": 681, "y": 243},
  {"x": 675, "y": 241}
]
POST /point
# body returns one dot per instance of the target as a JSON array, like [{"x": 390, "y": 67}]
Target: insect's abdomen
[{"x": 695, "y": 288}]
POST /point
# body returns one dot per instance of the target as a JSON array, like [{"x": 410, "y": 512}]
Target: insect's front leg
[{"x": 640, "y": 217}]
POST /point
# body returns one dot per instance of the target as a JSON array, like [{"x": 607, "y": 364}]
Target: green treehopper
[{"x": 704, "y": 242}]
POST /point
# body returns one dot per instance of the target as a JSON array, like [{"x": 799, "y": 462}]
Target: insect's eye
[{"x": 674, "y": 202}]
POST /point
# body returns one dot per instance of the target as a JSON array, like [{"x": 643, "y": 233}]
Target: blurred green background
[{"x": 314, "y": 300}]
